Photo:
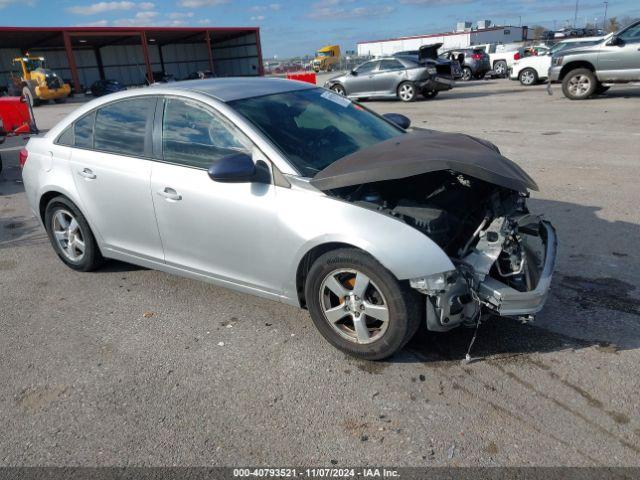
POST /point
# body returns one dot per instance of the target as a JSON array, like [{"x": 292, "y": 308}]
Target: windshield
[
  {"x": 566, "y": 45},
  {"x": 324, "y": 54},
  {"x": 33, "y": 64},
  {"x": 315, "y": 127}
]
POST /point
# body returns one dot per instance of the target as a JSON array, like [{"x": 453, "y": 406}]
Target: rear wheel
[
  {"x": 528, "y": 77},
  {"x": 339, "y": 89},
  {"x": 71, "y": 236},
  {"x": 467, "y": 74},
  {"x": 359, "y": 306},
  {"x": 579, "y": 84},
  {"x": 500, "y": 67},
  {"x": 430, "y": 95},
  {"x": 407, "y": 92}
]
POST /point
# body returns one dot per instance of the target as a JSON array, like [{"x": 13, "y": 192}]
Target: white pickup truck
[
  {"x": 533, "y": 69},
  {"x": 502, "y": 56}
]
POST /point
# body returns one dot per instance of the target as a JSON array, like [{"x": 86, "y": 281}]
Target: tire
[
  {"x": 528, "y": 77},
  {"x": 376, "y": 339},
  {"x": 579, "y": 84},
  {"x": 601, "y": 89},
  {"x": 430, "y": 95},
  {"x": 500, "y": 67},
  {"x": 467, "y": 74},
  {"x": 339, "y": 89},
  {"x": 87, "y": 259},
  {"x": 406, "y": 92}
]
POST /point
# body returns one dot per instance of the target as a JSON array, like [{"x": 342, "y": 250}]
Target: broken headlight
[{"x": 432, "y": 284}]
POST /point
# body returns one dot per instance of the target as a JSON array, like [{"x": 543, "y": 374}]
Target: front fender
[{"x": 310, "y": 219}]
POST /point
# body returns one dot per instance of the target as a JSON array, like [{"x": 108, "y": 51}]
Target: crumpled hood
[{"x": 421, "y": 152}]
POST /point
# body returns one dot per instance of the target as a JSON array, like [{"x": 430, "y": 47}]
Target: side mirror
[
  {"x": 235, "y": 168},
  {"x": 354, "y": 73},
  {"x": 398, "y": 119},
  {"x": 614, "y": 41}
]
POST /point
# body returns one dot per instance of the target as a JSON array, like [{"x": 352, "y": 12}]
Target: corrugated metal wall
[
  {"x": 125, "y": 63},
  {"x": 182, "y": 59},
  {"x": 237, "y": 57}
]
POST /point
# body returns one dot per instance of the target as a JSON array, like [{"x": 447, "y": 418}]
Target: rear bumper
[
  {"x": 437, "y": 84},
  {"x": 507, "y": 301}
]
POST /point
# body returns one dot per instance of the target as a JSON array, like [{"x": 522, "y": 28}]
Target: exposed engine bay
[{"x": 501, "y": 252}]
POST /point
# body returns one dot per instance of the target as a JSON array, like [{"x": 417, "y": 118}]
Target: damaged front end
[
  {"x": 504, "y": 255},
  {"x": 468, "y": 198}
]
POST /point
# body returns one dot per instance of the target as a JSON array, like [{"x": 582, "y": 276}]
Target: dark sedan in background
[
  {"x": 475, "y": 62},
  {"x": 393, "y": 77},
  {"x": 102, "y": 87}
]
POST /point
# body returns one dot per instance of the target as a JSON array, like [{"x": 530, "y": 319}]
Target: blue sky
[{"x": 298, "y": 27}]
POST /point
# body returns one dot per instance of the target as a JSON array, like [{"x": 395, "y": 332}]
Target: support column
[
  {"x": 259, "y": 45},
  {"x": 207, "y": 38},
  {"x": 72, "y": 62},
  {"x": 96, "y": 52},
  {"x": 145, "y": 54}
]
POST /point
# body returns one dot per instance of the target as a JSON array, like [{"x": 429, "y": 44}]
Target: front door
[
  {"x": 112, "y": 174},
  {"x": 222, "y": 230},
  {"x": 362, "y": 81},
  {"x": 620, "y": 60}
]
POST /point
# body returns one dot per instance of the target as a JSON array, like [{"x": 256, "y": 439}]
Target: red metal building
[{"x": 131, "y": 55}]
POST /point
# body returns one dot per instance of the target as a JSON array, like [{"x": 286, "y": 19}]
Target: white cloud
[
  {"x": 179, "y": 15},
  {"x": 263, "y": 8},
  {"x": 139, "y": 19},
  {"x": 321, "y": 11},
  {"x": 97, "y": 23},
  {"x": 257, "y": 18},
  {"x": 201, "y": 3},
  {"x": 102, "y": 7}
]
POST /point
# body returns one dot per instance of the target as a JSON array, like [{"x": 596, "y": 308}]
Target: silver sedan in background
[
  {"x": 393, "y": 77},
  {"x": 294, "y": 193}
]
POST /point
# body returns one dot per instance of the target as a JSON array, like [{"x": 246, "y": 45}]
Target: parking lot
[{"x": 128, "y": 366}]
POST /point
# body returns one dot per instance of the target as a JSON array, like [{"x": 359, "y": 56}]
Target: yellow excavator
[{"x": 36, "y": 83}]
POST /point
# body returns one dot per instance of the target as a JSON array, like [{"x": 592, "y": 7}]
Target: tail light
[
  {"x": 476, "y": 56},
  {"x": 516, "y": 56},
  {"x": 22, "y": 157}
]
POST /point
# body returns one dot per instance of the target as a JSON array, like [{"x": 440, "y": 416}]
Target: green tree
[{"x": 538, "y": 30}]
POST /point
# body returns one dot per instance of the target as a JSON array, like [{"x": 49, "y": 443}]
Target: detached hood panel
[{"x": 421, "y": 152}]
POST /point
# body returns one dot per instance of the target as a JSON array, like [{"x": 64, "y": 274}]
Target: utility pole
[
  {"x": 575, "y": 16},
  {"x": 604, "y": 22}
]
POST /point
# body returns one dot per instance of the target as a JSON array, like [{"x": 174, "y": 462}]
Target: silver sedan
[{"x": 294, "y": 193}]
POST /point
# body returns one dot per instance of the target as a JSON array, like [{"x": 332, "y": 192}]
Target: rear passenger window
[
  {"x": 83, "y": 131},
  {"x": 80, "y": 133},
  {"x": 124, "y": 127},
  {"x": 194, "y": 136}
]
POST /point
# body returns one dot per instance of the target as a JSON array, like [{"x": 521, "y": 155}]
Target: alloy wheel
[
  {"x": 68, "y": 235},
  {"x": 501, "y": 68},
  {"x": 579, "y": 85},
  {"x": 527, "y": 77},
  {"x": 354, "y": 306},
  {"x": 466, "y": 74},
  {"x": 406, "y": 92},
  {"x": 339, "y": 89}
]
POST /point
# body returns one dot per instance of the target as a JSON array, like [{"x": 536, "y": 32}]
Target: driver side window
[
  {"x": 366, "y": 67},
  {"x": 631, "y": 35},
  {"x": 192, "y": 135}
]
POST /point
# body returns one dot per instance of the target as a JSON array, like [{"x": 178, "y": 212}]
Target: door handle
[
  {"x": 170, "y": 194},
  {"x": 87, "y": 173}
]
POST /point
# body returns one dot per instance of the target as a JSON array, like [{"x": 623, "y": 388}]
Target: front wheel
[
  {"x": 467, "y": 74},
  {"x": 407, "y": 92},
  {"x": 71, "y": 236},
  {"x": 339, "y": 89},
  {"x": 359, "y": 306},
  {"x": 579, "y": 84},
  {"x": 528, "y": 77}
]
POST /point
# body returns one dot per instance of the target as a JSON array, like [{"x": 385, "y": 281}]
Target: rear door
[
  {"x": 111, "y": 168},
  {"x": 225, "y": 231},
  {"x": 388, "y": 76}
]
